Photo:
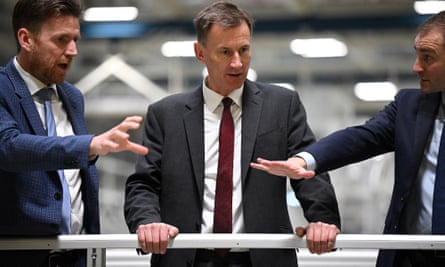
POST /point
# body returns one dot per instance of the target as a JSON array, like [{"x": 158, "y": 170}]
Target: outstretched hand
[
  {"x": 294, "y": 168},
  {"x": 117, "y": 139},
  {"x": 320, "y": 237}
]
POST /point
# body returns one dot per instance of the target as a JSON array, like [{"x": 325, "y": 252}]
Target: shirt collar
[
  {"x": 213, "y": 99},
  {"x": 31, "y": 82}
]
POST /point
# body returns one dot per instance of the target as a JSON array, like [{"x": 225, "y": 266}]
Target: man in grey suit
[
  {"x": 173, "y": 188},
  {"x": 34, "y": 167}
]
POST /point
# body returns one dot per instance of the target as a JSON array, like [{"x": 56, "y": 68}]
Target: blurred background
[{"x": 346, "y": 59}]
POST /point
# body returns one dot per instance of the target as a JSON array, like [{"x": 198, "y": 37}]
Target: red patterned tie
[{"x": 224, "y": 185}]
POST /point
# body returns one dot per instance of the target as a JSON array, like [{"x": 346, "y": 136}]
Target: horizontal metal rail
[{"x": 184, "y": 241}]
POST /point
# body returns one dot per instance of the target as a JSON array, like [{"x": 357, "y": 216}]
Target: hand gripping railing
[{"x": 97, "y": 244}]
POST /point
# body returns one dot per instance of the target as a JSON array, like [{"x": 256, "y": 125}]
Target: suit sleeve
[
  {"x": 317, "y": 195},
  {"x": 23, "y": 150},
  {"x": 357, "y": 143},
  {"x": 143, "y": 187}
]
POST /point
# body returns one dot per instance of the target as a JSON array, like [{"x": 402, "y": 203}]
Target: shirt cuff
[{"x": 311, "y": 165}]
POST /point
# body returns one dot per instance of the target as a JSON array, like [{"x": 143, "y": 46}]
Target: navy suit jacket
[
  {"x": 168, "y": 183},
  {"x": 403, "y": 127},
  {"x": 30, "y": 191}
]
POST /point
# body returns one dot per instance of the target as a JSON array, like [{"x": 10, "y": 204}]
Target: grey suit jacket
[{"x": 168, "y": 183}]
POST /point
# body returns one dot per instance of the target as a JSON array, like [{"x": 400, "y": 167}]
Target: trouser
[
  {"x": 420, "y": 258},
  {"x": 208, "y": 258},
  {"x": 43, "y": 258}
]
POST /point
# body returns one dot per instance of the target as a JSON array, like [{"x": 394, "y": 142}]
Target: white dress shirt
[
  {"x": 212, "y": 117},
  {"x": 420, "y": 212}
]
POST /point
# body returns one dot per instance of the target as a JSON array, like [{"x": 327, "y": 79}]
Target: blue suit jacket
[
  {"x": 402, "y": 127},
  {"x": 30, "y": 191},
  {"x": 168, "y": 185}
]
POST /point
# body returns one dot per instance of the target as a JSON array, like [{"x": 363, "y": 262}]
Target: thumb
[{"x": 300, "y": 231}]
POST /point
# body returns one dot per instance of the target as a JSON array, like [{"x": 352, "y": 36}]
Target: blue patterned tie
[{"x": 45, "y": 95}]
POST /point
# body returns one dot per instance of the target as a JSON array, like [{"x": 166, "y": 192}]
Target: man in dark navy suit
[{"x": 411, "y": 127}]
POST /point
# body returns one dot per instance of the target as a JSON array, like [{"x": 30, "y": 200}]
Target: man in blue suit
[
  {"x": 32, "y": 163},
  {"x": 411, "y": 127}
]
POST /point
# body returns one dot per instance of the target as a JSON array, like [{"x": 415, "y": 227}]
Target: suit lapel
[
  {"x": 252, "y": 104},
  {"x": 75, "y": 116},
  {"x": 428, "y": 106},
  {"x": 194, "y": 130},
  {"x": 26, "y": 101}
]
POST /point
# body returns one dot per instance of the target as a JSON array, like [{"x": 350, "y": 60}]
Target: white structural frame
[{"x": 97, "y": 244}]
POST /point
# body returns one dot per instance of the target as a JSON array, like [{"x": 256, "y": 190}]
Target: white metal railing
[{"x": 97, "y": 244}]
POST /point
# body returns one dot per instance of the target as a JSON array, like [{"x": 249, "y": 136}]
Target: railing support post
[{"x": 96, "y": 257}]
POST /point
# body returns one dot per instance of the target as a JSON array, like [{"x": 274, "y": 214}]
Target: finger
[
  {"x": 136, "y": 148},
  {"x": 310, "y": 239},
  {"x": 134, "y": 118},
  {"x": 131, "y": 123},
  {"x": 258, "y": 166},
  {"x": 141, "y": 239},
  {"x": 156, "y": 239},
  {"x": 126, "y": 126},
  {"x": 332, "y": 237},
  {"x": 149, "y": 240},
  {"x": 163, "y": 239}
]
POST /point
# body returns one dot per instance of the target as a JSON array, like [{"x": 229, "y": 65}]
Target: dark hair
[
  {"x": 436, "y": 21},
  {"x": 31, "y": 14},
  {"x": 222, "y": 13}
]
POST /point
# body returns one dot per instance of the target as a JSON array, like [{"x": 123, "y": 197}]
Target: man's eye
[{"x": 427, "y": 58}]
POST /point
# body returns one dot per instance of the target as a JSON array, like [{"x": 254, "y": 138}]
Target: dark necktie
[
  {"x": 438, "y": 220},
  {"x": 45, "y": 95},
  {"x": 224, "y": 185}
]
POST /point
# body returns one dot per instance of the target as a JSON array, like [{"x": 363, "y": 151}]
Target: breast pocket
[{"x": 271, "y": 144}]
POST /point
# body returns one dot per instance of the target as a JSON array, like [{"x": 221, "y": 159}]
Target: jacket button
[{"x": 57, "y": 196}]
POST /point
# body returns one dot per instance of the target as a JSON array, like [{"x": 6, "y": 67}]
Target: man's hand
[
  {"x": 117, "y": 139},
  {"x": 294, "y": 168},
  {"x": 153, "y": 237},
  {"x": 320, "y": 237}
]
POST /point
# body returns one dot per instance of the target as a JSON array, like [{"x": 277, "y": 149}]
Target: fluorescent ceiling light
[
  {"x": 319, "y": 48},
  {"x": 375, "y": 91},
  {"x": 429, "y": 7},
  {"x": 178, "y": 49},
  {"x": 111, "y": 14}
]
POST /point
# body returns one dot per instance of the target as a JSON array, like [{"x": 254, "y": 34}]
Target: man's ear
[
  {"x": 25, "y": 39},
  {"x": 199, "y": 53}
]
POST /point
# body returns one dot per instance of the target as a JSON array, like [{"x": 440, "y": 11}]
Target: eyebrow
[{"x": 423, "y": 49}]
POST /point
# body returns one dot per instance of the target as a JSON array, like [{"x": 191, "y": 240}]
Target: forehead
[
  {"x": 61, "y": 23},
  {"x": 431, "y": 40},
  {"x": 229, "y": 35}
]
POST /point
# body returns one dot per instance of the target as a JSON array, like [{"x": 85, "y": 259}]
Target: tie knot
[
  {"x": 45, "y": 94},
  {"x": 227, "y": 101}
]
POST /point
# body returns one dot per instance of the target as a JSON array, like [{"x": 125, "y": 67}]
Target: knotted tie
[
  {"x": 438, "y": 220},
  {"x": 224, "y": 185},
  {"x": 45, "y": 95}
]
